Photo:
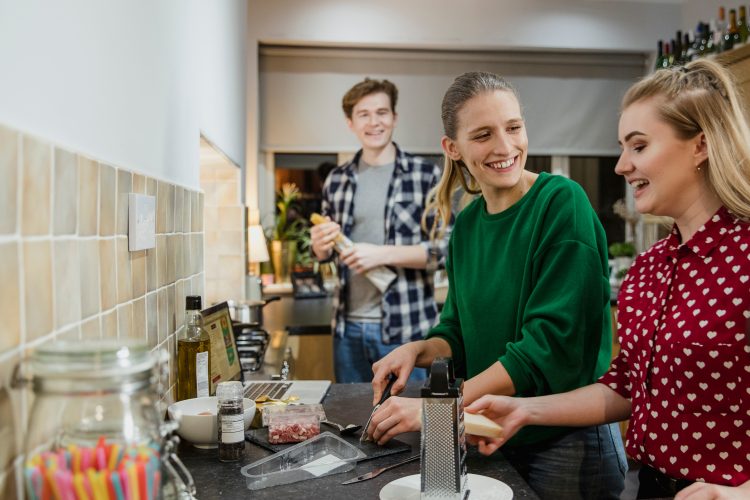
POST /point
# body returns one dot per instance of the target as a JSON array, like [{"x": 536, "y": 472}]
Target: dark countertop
[{"x": 345, "y": 403}]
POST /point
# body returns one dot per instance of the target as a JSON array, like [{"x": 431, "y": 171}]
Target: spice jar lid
[{"x": 229, "y": 391}]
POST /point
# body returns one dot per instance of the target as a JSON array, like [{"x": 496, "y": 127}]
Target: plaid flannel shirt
[{"x": 408, "y": 305}]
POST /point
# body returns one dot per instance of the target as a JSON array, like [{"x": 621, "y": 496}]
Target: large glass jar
[{"x": 95, "y": 425}]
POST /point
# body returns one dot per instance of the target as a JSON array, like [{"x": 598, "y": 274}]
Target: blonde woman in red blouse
[{"x": 683, "y": 372}]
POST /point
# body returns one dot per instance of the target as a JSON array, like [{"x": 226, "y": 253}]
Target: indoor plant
[{"x": 288, "y": 230}]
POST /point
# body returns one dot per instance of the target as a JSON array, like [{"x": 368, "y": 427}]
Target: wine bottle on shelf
[
  {"x": 742, "y": 25},
  {"x": 712, "y": 45},
  {"x": 722, "y": 26},
  {"x": 659, "y": 55},
  {"x": 687, "y": 55},
  {"x": 666, "y": 57},
  {"x": 677, "y": 48},
  {"x": 672, "y": 52},
  {"x": 732, "y": 35}
]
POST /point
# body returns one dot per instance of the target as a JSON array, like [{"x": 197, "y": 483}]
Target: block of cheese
[{"x": 479, "y": 425}]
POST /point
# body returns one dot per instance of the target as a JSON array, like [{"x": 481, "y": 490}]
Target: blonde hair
[
  {"x": 702, "y": 97},
  {"x": 455, "y": 173}
]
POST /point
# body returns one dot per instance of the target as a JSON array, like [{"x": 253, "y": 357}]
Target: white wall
[
  {"x": 120, "y": 80},
  {"x": 605, "y": 26},
  {"x": 221, "y": 75},
  {"x": 539, "y": 24}
]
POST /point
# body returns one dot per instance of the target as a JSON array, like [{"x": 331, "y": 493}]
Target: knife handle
[{"x": 387, "y": 391}]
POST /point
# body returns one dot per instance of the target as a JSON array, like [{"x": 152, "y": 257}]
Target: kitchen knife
[
  {"x": 376, "y": 472},
  {"x": 386, "y": 394}
]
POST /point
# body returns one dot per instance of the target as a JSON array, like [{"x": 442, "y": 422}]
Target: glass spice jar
[
  {"x": 95, "y": 425},
  {"x": 231, "y": 421}
]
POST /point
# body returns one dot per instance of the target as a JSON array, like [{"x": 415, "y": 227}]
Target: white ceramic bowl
[{"x": 202, "y": 430}]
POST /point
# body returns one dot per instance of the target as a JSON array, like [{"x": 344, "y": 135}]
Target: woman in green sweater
[{"x": 527, "y": 311}]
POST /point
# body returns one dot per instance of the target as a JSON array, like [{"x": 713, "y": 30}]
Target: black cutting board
[{"x": 372, "y": 450}]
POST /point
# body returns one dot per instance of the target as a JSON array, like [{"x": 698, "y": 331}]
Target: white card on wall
[{"x": 141, "y": 222}]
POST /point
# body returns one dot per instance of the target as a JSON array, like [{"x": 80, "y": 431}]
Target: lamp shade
[{"x": 257, "y": 251}]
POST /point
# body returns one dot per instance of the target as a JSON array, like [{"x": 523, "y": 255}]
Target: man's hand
[
  {"x": 362, "y": 257},
  {"x": 323, "y": 238}
]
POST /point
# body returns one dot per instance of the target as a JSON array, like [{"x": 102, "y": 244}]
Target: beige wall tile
[
  {"x": 139, "y": 184},
  {"x": 138, "y": 269},
  {"x": 108, "y": 273},
  {"x": 10, "y": 301},
  {"x": 152, "y": 319},
  {"x": 170, "y": 309},
  {"x": 65, "y": 213},
  {"x": 161, "y": 260},
  {"x": 37, "y": 270},
  {"x": 152, "y": 278},
  {"x": 162, "y": 314},
  {"x": 197, "y": 288},
  {"x": 161, "y": 207},
  {"x": 228, "y": 173},
  {"x": 179, "y": 271},
  {"x": 198, "y": 249},
  {"x": 196, "y": 208},
  {"x": 211, "y": 215},
  {"x": 9, "y": 175},
  {"x": 91, "y": 329},
  {"x": 88, "y": 196},
  {"x": 124, "y": 187},
  {"x": 107, "y": 200},
  {"x": 140, "y": 331},
  {"x": 124, "y": 274},
  {"x": 228, "y": 193},
  {"x": 170, "y": 207},
  {"x": 109, "y": 324},
  {"x": 69, "y": 333},
  {"x": 67, "y": 282},
  {"x": 151, "y": 186},
  {"x": 231, "y": 243},
  {"x": 232, "y": 218},
  {"x": 125, "y": 321},
  {"x": 37, "y": 173},
  {"x": 179, "y": 193},
  {"x": 179, "y": 304},
  {"x": 231, "y": 266},
  {"x": 89, "y": 265},
  {"x": 212, "y": 193},
  {"x": 171, "y": 254},
  {"x": 187, "y": 208}
]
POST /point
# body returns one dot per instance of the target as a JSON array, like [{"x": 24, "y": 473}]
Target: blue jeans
[
  {"x": 586, "y": 463},
  {"x": 361, "y": 346}
]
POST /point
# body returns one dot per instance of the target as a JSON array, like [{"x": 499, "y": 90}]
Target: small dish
[{"x": 198, "y": 422}]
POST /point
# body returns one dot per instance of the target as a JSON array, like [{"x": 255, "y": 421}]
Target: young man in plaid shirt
[{"x": 377, "y": 200}]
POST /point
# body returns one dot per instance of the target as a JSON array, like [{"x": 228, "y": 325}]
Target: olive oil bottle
[{"x": 193, "y": 353}]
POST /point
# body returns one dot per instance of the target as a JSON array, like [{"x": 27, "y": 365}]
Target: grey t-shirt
[{"x": 369, "y": 227}]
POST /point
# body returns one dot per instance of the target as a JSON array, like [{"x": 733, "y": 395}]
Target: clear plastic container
[
  {"x": 293, "y": 423},
  {"x": 320, "y": 456}
]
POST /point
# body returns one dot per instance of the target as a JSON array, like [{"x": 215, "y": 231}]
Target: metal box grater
[{"x": 443, "y": 448}]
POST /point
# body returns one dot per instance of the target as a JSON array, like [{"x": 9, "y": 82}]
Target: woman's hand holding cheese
[{"x": 509, "y": 413}]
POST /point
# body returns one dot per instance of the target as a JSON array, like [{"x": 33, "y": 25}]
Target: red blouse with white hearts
[{"x": 685, "y": 359}]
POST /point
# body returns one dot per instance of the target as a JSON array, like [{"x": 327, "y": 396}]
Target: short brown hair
[{"x": 366, "y": 87}]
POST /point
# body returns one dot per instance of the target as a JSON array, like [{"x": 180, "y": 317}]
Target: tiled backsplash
[
  {"x": 224, "y": 218},
  {"x": 65, "y": 268}
]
